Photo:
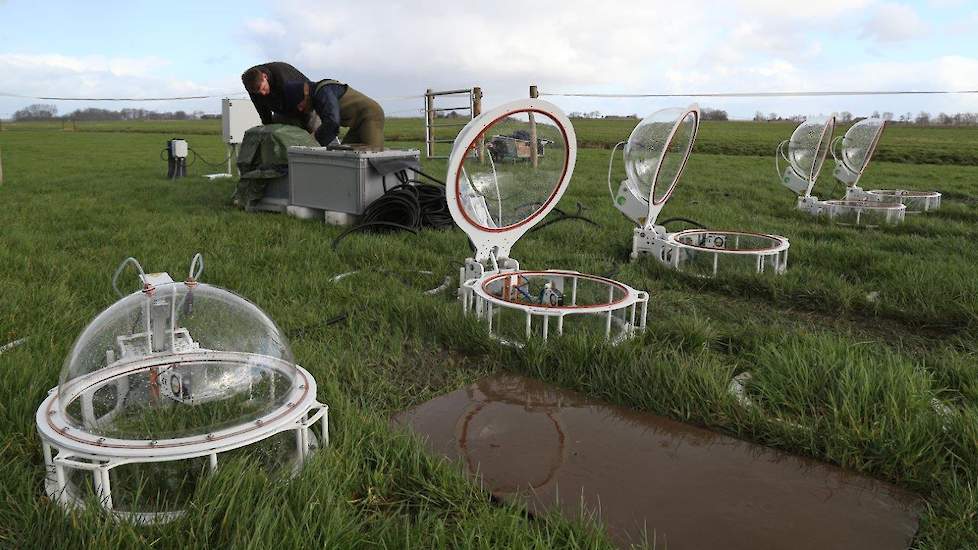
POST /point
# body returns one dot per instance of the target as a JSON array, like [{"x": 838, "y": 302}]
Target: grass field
[
  {"x": 901, "y": 143},
  {"x": 854, "y": 346}
]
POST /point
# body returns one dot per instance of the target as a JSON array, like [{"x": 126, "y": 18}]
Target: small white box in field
[
  {"x": 237, "y": 116},
  {"x": 179, "y": 148}
]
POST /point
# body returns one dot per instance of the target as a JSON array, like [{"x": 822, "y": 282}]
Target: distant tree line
[
  {"x": 705, "y": 113},
  {"x": 43, "y": 111},
  {"x": 38, "y": 111},
  {"x": 922, "y": 118}
]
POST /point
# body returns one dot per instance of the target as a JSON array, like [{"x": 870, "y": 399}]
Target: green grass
[
  {"x": 900, "y": 143},
  {"x": 847, "y": 350}
]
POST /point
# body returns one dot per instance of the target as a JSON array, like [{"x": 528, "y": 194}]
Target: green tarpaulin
[
  {"x": 264, "y": 150},
  {"x": 263, "y": 156}
]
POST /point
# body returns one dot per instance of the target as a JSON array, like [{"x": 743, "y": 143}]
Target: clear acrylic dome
[
  {"x": 181, "y": 361},
  {"x": 808, "y": 146},
  {"x": 498, "y": 186},
  {"x": 657, "y": 150},
  {"x": 859, "y": 143}
]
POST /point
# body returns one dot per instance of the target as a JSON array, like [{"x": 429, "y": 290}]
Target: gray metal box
[{"x": 340, "y": 181}]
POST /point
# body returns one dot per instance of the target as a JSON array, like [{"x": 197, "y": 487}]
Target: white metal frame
[
  {"x": 477, "y": 300},
  {"x": 651, "y": 239},
  {"x": 493, "y": 244},
  {"x": 68, "y": 447},
  {"x": 858, "y": 207},
  {"x": 914, "y": 202},
  {"x": 865, "y": 213},
  {"x": 773, "y": 257}
]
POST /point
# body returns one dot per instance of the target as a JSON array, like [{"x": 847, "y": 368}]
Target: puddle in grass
[{"x": 692, "y": 487}]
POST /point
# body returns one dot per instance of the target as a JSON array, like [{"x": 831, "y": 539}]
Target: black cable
[
  {"x": 363, "y": 226},
  {"x": 405, "y": 206},
  {"x": 432, "y": 178},
  {"x": 561, "y": 216},
  {"x": 202, "y": 159},
  {"x": 687, "y": 220},
  {"x": 434, "y": 208},
  {"x": 301, "y": 331}
]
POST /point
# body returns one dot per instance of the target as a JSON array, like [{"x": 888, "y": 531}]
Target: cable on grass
[
  {"x": 301, "y": 331},
  {"x": 411, "y": 205},
  {"x": 562, "y": 216},
  {"x": 364, "y": 226},
  {"x": 214, "y": 164},
  {"x": 446, "y": 282},
  {"x": 686, "y": 220}
]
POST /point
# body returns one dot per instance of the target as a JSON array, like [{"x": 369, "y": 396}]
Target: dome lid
[
  {"x": 808, "y": 146},
  {"x": 657, "y": 150},
  {"x": 507, "y": 170},
  {"x": 857, "y": 147}
]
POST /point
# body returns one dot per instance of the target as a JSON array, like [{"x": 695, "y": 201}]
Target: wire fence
[{"x": 823, "y": 93}]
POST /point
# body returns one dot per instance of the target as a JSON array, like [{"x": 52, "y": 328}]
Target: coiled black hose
[{"x": 409, "y": 206}]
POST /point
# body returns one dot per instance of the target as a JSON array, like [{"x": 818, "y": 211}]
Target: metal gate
[{"x": 443, "y": 123}]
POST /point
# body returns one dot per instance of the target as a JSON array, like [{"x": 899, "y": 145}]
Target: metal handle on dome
[{"x": 836, "y": 142}]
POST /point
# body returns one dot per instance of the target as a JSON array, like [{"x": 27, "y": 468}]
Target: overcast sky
[{"x": 392, "y": 49}]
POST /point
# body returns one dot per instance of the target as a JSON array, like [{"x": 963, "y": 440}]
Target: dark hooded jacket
[
  {"x": 272, "y": 108},
  {"x": 325, "y": 98}
]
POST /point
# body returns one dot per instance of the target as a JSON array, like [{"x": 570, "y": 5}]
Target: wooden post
[
  {"x": 533, "y": 130},
  {"x": 429, "y": 131},
  {"x": 476, "y": 111},
  {"x": 1, "y": 166}
]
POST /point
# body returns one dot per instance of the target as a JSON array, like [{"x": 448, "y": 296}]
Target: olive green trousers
[{"x": 365, "y": 119}]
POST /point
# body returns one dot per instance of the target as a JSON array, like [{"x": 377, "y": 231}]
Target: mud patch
[{"x": 646, "y": 475}]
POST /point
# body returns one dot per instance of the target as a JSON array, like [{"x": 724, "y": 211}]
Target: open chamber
[
  {"x": 655, "y": 156},
  {"x": 164, "y": 385},
  {"x": 852, "y": 153},
  {"x": 496, "y": 194},
  {"x": 805, "y": 154}
]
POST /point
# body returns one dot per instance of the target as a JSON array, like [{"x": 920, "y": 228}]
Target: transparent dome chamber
[
  {"x": 655, "y": 156},
  {"x": 508, "y": 169},
  {"x": 159, "y": 385},
  {"x": 805, "y": 155},
  {"x": 852, "y": 153}
]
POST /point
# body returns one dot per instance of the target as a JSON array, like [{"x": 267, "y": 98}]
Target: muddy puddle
[{"x": 686, "y": 486}]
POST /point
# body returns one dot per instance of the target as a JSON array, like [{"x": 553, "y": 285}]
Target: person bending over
[
  {"x": 265, "y": 84},
  {"x": 338, "y": 105}
]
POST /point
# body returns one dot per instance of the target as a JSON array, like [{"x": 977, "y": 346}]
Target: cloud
[
  {"x": 632, "y": 46},
  {"x": 61, "y": 75},
  {"x": 804, "y": 10},
  {"x": 509, "y": 43},
  {"x": 395, "y": 49},
  {"x": 264, "y": 28},
  {"x": 894, "y": 23},
  {"x": 57, "y": 63}
]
